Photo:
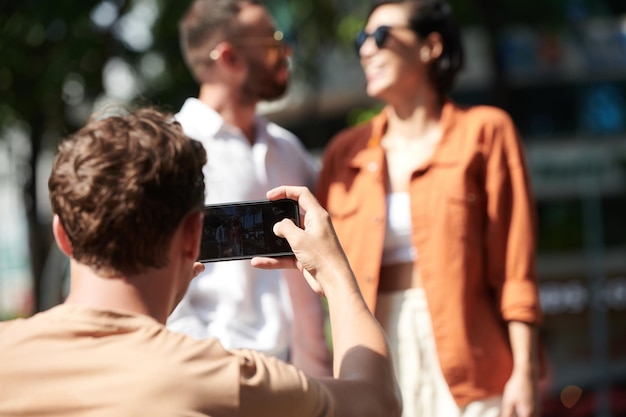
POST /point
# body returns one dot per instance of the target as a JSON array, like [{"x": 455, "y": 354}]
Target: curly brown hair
[{"x": 122, "y": 185}]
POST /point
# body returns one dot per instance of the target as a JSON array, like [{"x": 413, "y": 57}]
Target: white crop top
[{"x": 398, "y": 247}]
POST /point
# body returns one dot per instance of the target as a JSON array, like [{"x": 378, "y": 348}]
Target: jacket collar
[
  {"x": 446, "y": 152},
  {"x": 372, "y": 155}
]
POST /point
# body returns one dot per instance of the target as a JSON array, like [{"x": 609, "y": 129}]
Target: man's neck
[
  {"x": 234, "y": 110},
  {"x": 138, "y": 294}
]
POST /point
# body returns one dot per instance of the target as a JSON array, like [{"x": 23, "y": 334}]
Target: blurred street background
[{"x": 557, "y": 66}]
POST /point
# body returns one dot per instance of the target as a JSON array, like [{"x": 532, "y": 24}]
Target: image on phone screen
[{"x": 243, "y": 230}]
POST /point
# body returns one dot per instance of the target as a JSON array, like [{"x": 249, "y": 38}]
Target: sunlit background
[{"x": 557, "y": 66}]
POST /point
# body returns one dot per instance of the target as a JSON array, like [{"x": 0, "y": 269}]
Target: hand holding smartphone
[{"x": 244, "y": 230}]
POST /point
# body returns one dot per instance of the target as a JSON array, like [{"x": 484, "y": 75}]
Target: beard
[{"x": 264, "y": 83}]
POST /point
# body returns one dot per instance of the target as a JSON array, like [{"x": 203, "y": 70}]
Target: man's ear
[
  {"x": 230, "y": 57},
  {"x": 192, "y": 232},
  {"x": 63, "y": 241},
  {"x": 225, "y": 59},
  {"x": 226, "y": 55}
]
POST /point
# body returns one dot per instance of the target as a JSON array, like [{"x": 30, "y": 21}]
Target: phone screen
[{"x": 244, "y": 230}]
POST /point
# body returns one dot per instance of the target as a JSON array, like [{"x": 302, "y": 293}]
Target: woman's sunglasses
[{"x": 379, "y": 35}]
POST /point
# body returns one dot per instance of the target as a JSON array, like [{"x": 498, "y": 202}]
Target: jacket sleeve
[{"x": 511, "y": 226}]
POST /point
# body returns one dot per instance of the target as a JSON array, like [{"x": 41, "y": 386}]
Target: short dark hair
[
  {"x": 427, "y": 16},
  {"x": 121, "y": 186},
  {"x": 206, "y": 23}
]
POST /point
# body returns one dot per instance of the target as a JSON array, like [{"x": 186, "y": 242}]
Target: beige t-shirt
[{"x": 77, "y": 361}]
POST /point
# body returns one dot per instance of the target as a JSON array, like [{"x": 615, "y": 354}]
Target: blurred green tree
[
  {"x": 52, "y": 56},
  {"x": 55, "y": 57}
]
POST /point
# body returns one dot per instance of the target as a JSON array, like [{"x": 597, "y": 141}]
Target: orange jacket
[{"x": 474, "y": 228}]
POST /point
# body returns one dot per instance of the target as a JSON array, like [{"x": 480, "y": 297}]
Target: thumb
[{"x": 287, "y": 229}]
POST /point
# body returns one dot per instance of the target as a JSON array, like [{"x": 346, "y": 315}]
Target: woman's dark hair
[{"x": 427, "y": 16}]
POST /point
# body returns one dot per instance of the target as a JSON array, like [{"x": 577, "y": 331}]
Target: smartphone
[{"x": 243, "y": 230}]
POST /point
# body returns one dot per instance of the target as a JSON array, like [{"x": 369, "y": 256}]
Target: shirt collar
[
  {"x": 199, "y": 120},
  {"x": 262, "y": 133},
  {"x": 202, "y": 122}
]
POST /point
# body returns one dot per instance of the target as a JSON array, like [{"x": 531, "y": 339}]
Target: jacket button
[{"x": 372, "y": 167}]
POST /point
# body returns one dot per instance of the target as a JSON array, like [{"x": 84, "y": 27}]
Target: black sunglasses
[{"x": 380, "y": 36}]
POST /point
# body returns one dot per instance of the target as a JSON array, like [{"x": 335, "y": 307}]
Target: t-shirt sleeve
[{"x": 270, "y": 387}]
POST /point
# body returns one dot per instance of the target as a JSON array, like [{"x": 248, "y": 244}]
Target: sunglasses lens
[
  {"x": 380, "y": 35},
  {"x": 360, "y": 39}
]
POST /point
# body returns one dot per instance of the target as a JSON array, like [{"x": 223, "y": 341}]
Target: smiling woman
[{"x": 440, "y": 230}]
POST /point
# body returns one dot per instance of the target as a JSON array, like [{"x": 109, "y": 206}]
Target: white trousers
[{"x": 404, "y": 316}]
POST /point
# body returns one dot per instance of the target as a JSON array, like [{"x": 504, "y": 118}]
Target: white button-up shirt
[{"x": 242, "y": 306}]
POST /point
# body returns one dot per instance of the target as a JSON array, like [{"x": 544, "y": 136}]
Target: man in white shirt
[{"x": 238, "y": 58}]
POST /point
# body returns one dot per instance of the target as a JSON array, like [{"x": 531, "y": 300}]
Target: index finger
[{"x": 302, "y": 195}]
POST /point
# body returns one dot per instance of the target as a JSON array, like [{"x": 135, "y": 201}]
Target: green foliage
[
  {"x": 175, "y": 83},
  {"x": 309, "y": 26},
  {"x": 362, "y": 115},
  {"x": 41, "y": 43}
]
